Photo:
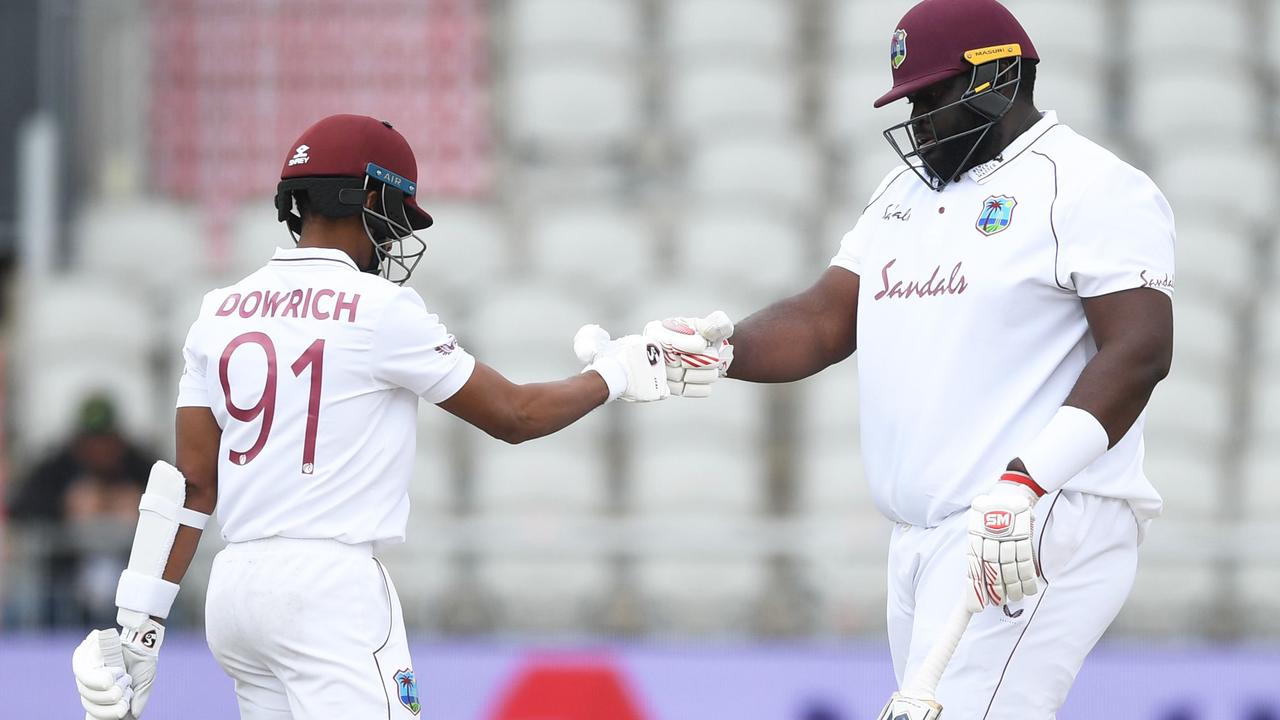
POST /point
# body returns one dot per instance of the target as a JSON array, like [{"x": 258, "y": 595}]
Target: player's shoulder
[
  {"x": 214, "y": 297},
  {"x": 896, "y": 181},
  {"x": 1086, "y": 169}
]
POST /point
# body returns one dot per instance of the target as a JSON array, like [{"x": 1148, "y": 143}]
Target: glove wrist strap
[
  {"x": 149, "y": 634},
  {"x": 613, "y": 373},
  {"x": 1012, "y": 476}
]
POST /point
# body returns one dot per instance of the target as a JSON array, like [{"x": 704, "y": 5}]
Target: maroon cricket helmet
[
  {"x": 358, "y": 146},
  {"x": 939, "y": 39}
]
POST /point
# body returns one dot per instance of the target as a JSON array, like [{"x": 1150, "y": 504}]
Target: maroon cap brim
[
  {"x": 915, "y": 85},
  {"x": 418, "y": 218}
]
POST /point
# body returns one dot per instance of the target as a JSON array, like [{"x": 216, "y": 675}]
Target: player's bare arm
[
  {"x": 628, "y": 368},
  {"x": 516, "y": 413},
  {"x": 789, "y": 340},
  {"x": 1134, "y": 333},
  {"x": 198, "y": 436},
  {"x": 800, "y": 335}
]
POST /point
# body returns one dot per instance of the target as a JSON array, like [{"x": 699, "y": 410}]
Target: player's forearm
[
  {"x": 185, "y": 543},
  {"x": 787, "y": 341},
  {"x": 544, "y": 408},
  {"x": 1117, "y": 383},
  {"x": 1133, "y": 330},
  {"x": 198, "y": 440},
  {"x": 1106, "y": 400}
]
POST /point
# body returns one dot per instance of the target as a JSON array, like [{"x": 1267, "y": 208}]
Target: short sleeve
[
  {"x": 193, "y": 386},
  {"x": 413, "y": 350},
  {"x": 853, "y": 244},
  {"x": 849, "y": 256},
  {"x": 1119, "y": 236}
]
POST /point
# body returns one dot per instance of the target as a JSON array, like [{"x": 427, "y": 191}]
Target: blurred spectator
[
  {"x": 96, "y": 474},
  {"x": 79, "y": 507}
]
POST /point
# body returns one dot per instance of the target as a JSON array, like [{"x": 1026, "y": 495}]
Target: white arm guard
[{"x": 143, "y": 592}]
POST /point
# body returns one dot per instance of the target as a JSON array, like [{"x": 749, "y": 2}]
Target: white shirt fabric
[
  {"x": 970, "y": 341},
  {"x": 329, "y": 453}
]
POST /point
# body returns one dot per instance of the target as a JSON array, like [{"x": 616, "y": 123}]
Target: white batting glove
[
  {"x": 1002, "y": 558},
  {"x": 901, "y": 707},
  {"x": 115, "y": 671},
  {"x": 696, "y": 351},
  {"x": 631, "y": 365}
]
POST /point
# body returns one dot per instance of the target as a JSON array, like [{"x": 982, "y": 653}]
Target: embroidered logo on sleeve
[
  {"x": 1159, "y": 281},
  {"x": 407, "y": 683},
  {"x": 997, "y": 214},
  {"x": 449, "y": 347}
]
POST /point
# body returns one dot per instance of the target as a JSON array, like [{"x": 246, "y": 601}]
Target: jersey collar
[
  {"x": 313, "y": 256},
  {"x": 980, "y": 173}
]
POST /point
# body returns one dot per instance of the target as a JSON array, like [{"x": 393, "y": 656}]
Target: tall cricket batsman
[
  {"x": 1008, "y": 292},
  {"x": 296, "y": 416}
]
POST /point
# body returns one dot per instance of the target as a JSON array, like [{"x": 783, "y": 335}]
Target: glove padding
[
  {"x": 1002, "y": 559},
  {"x": 631, "y": 366},
  {"x": 696, "y": 350},
  {"x": 115, "y": 671},
  {"x": 901, "y": 707}
]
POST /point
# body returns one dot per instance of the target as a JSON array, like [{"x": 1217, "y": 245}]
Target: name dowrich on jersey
[{"x": 318, "y": 303}]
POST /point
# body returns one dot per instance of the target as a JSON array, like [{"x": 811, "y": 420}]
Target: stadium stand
[{"x": 766, "y": 108}]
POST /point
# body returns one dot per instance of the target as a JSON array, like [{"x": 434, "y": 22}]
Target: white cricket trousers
[
  {"x": 308, "y": 629},
  {"x": 1015, "y": 662}
]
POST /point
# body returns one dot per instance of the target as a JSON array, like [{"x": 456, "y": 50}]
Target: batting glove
[
  {"x": 115, "y": 670},
  {"x": 696, "y": 351},
  {"x": 1002, "y": 559},
  {"x": 631, "y": 365}
]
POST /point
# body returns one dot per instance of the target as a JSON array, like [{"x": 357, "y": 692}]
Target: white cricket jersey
[
  {"x": 313, "y": 370},
  {"x": 971, "y": 330}
]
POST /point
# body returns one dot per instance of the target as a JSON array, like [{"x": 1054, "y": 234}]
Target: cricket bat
[{"x": 915, "y": 701}]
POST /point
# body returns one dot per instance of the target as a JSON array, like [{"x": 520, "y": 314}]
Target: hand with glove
[
  {"x": 696, "y": 351},
  {"x": 901, "y": 707},
  {"x": 115, "y": 670},
  {"x": 631, "y": 366},
  {"x": 1002, "y": 558}
]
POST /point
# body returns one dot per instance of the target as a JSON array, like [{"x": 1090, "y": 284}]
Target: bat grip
[{"x": 924, "y": 683}]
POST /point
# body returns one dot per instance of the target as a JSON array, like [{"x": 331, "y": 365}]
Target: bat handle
[
  {"x": 112, "y": 653},
  {"x": 924, "y": 683}
]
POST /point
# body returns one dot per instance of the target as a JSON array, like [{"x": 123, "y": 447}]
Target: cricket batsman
[
  {"x": 296, "y": 416},
  {"x": 1008, "y": 292}
]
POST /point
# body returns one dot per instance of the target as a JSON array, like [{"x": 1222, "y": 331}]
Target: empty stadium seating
[
  {"x": 708, "y": 28},
  {"x": 569, "y": 27},
  {"x": 598, "y": 246},
  {"x": 746, "y": 146},
  {"x": 712, "y": 97}
]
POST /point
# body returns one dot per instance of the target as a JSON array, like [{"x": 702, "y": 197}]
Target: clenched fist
[
  {"x": 631, "y": 366},
  {"x": 696, "y": 351},
  {"x": 1002, "y": 558}
]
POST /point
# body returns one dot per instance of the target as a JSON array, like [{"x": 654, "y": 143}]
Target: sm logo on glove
[{"x": 998, "y": 522}]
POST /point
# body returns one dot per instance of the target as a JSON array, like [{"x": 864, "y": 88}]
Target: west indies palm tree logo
[
  {"x": 898, "y": 48},
  {"x": 997, "y": 214},
  {"x": 407, "y": 683}
]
